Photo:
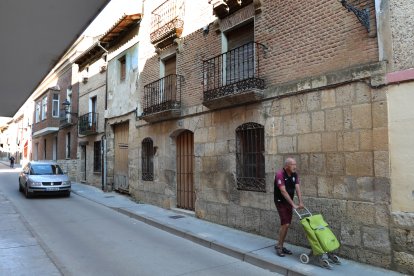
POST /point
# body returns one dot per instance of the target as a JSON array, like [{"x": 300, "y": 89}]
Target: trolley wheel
[
  {"x": 334, "y": 259},
  {"x": 304, "y": 259},
  {"x": 325, "y": 264}
]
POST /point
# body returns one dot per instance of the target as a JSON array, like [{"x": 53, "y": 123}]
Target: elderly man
[{"x": 286, "y": 183}]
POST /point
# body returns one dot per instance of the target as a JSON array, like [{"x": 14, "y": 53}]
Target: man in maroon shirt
[{"x": 286, "y": 183}]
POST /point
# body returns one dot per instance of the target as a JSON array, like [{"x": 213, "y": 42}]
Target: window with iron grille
[
  {"x": 250, "y": 159},
  {"x": 97, "y": 156},
  {"x": 147, "y": 160}
]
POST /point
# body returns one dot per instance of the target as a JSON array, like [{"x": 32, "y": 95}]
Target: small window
[
  {"x": 147, "y": 160},
  {"x": 250, "y": 160},
  {"x": 55, "y": 105},
  {"x": 122, "y": 68},
  {"x": 97, "y": 156},
  {"x": 44, "y": 107}
]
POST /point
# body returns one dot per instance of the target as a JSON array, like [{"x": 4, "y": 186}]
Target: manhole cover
[
  {"x": 176, "y": 217},
  {"x": 109, "y": 196}
]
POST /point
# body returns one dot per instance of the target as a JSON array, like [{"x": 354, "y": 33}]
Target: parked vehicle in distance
[{"x": 41, "y": 177}]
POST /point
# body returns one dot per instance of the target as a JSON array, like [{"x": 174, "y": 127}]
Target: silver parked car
[{"x": 43, "y": 177}]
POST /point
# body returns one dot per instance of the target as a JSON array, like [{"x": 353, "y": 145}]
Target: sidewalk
[
  {"x": 20, "y": 251},
  {"x": 250, "y": 248}
]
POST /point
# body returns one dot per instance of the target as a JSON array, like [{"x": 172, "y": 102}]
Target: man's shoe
[
  {"x": 286, "y": 251},
  {"x": 279, "y": 251}
]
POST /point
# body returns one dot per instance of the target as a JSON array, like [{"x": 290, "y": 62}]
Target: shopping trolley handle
[{"x": 305, "y": 214}]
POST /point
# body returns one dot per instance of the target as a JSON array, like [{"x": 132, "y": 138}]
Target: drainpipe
[
  {"x": 103, "y": 138},
  {"x": 103, "y": 154}
]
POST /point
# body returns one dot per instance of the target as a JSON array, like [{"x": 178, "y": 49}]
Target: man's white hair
[{"x": 288, "y": 161}]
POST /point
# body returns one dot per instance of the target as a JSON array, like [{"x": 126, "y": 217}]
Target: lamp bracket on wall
[{"x": 362, "y": 15}]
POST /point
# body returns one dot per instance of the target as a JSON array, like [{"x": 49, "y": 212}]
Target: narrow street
[{"x": 85, "y": 238}]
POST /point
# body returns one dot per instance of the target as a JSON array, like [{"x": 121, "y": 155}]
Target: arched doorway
[{"x": 185, "y": 171}]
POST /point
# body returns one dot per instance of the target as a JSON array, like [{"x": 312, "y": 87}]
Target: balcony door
[
  {"x": 239, "y": 61},
  {"x": 121, "y": 180},
  {"x": 92, "y": 114},
  {"x": 185, "y": 171},
  {"x": 169, "y": 83}
]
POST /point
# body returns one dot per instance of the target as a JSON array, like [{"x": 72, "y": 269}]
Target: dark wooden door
[{"x": 185, "y": 171}]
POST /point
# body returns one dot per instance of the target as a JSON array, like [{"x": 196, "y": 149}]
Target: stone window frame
[{"x": 250, "y": 158}]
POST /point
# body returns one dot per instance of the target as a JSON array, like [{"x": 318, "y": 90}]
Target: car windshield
[{"x": 45, "y": 169}]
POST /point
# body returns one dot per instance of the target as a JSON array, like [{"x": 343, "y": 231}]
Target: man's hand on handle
[{"x": 300, "y": 206}]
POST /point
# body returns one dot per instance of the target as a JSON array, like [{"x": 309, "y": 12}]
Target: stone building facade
[
  {"x": 91, "y": 121},
  {"x": 324, "y": 101}
]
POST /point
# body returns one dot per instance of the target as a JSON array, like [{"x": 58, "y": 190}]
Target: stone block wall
[
  {"x": 325, "y": 105},
  {"x": 71, "y": 167},
  {"x": 337, "y": 137}
]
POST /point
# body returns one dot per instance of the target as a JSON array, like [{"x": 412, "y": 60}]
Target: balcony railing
[
  {"x": 234, "y": 75},
  {"x": 88, "y": 123},
  {"x": 167, "y": 23},
  {"x": 65, "y": 119},
  {"x": 162, "y": 98}
]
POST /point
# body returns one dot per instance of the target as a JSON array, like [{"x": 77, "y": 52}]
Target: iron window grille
[
  {"x": 147, "y": 160},
  {"x": 250, "y": 159},
  {"x": 97, "y": 156}
]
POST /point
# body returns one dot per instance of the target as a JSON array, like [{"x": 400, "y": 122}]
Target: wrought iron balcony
[
  {"x": 65, "y": 120},
  {"x": 162, "y": 99},
  {"x": 167, "y": 23},
  {"x": 88, "y": 123},
  {"x": 234, "y": 77}
]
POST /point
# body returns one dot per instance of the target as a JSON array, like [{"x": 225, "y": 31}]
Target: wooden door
[
  {"x": 121, "y": 180},
  {"x": 185, "y": 171}
]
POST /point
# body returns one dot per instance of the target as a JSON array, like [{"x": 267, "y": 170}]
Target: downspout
[{"x": 103, "y": 138}]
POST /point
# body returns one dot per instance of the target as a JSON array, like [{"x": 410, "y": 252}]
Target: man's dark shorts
[{"x": 285, "y": 212}]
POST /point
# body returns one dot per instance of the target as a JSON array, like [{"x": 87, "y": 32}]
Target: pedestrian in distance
[
  {"x": 286, "y": 183},
  {"x": 11, "y": 161}
]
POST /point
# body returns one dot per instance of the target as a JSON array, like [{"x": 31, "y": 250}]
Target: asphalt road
[{"x": 85, "y": 238}]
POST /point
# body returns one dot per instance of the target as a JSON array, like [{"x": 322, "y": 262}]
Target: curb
[{"x": 248, "y": 257}]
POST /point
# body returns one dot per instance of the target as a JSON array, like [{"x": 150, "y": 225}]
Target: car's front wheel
[
  {"x": 20, "y": 187},
  {"x": 26, "y": 192}
]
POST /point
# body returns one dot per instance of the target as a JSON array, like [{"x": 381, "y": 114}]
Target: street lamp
[
  {"x": 66, "y": 105},
  {"x": 362, "y": 15}
]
